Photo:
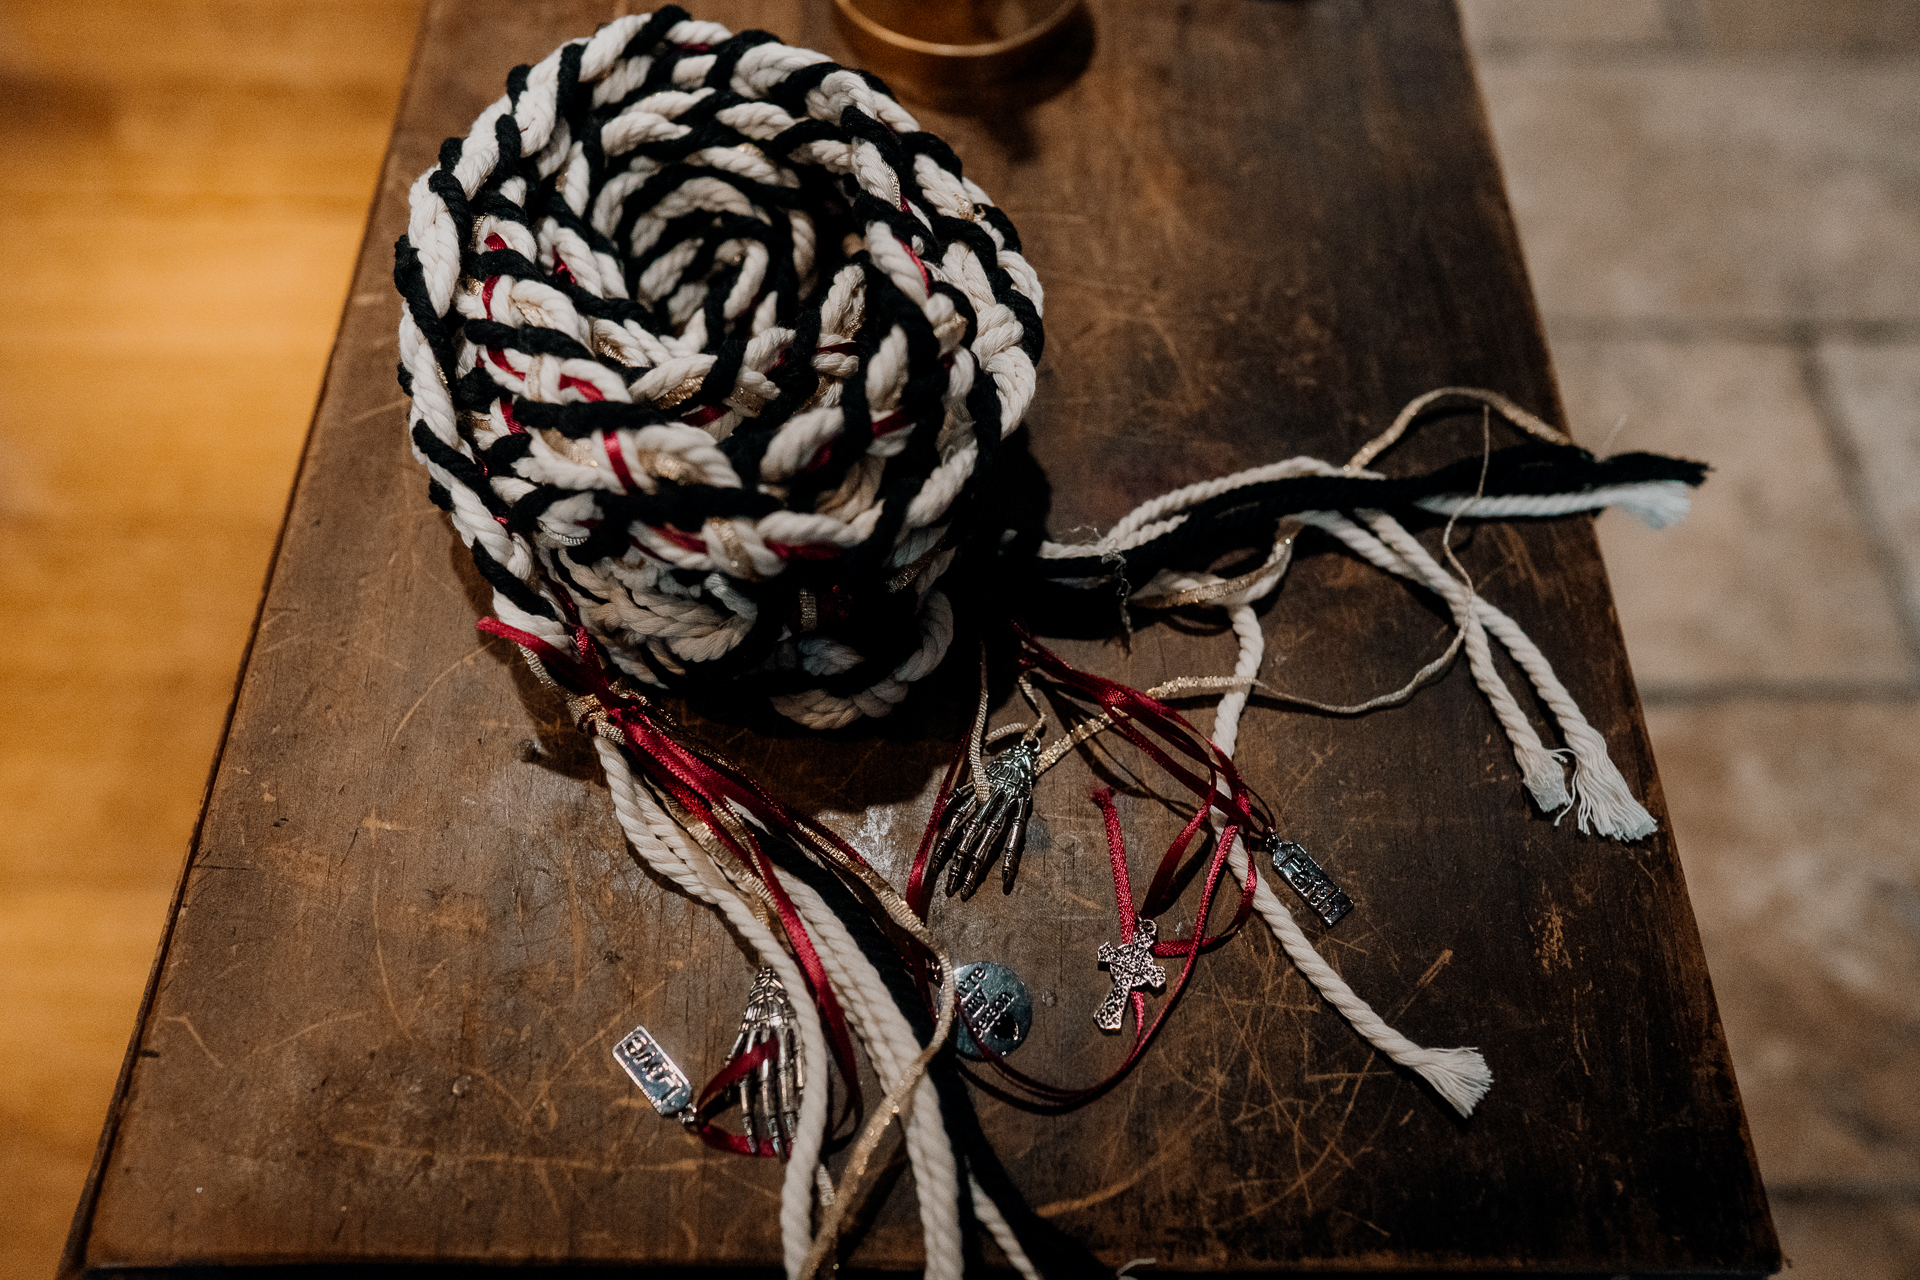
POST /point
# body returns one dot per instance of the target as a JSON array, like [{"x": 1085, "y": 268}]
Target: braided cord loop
[{"x": 710, "y": 347}]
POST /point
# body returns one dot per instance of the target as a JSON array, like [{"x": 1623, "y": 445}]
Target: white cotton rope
[
  {"x": 668, "y": 849},
  {"x": 889, "y": 1040},
  {"x": 1597, "y": 794},
  {"x": 996, "y": 1224},
  {"x": 1460, "y": 1076},
  {"x": 1659, "y": 504},
  {"x": 1600, "y": 796},
  {"x": 893, "y": 1046}
]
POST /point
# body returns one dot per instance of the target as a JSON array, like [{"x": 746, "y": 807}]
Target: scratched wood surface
[{"x": 409, "y": 930}]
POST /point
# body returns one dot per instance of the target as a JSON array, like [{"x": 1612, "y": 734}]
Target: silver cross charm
[
  {"x": 769, "y": 1095},
  {"x": 1132, "y": 967}
]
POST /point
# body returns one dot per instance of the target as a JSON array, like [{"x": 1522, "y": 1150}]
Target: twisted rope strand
[
  {"x": 664, "y": 845},
  {"x": 1461, "y": 1076}
]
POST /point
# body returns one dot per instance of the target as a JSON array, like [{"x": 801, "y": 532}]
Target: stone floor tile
[
  {"x": 1875, "y": 394},
  {"x": 1849, "y": 1239},
  {"x": 1714, "y": 191},
  {"x": 1499, "y": 27},
  {"x": 1771, "y": 577},
  {"x": 1857, "y": 27},
  {"x": 1799, "y": 828}
]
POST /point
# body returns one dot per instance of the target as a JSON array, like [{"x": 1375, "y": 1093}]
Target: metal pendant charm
[
  {"x": 1315, "y": 887},
  {"x": 976, "y": 829},
  {"x": 664, "y": 1083},
  {"x": 1132, "y": 967},
  {"x": 769, "y": 1095},
  {"x": 998, "y": 1010}
]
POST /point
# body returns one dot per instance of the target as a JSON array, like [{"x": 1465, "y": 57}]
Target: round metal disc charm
[{"x": 996, "y": 1006}]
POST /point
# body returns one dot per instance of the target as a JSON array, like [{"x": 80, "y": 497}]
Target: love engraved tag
[
  {"x": 1315, "y": 887},
  {"x": 664, "y": 1083}
]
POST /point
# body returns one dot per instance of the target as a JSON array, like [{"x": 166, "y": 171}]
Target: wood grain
[{"x": 410, "y": 929}]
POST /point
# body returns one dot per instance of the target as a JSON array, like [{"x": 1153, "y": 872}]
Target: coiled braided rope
[{"x": 680, "y": 280}]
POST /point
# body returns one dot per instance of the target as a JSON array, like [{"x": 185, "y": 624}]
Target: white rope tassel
[
  {"x": 1540, "y": 769},
  {"x": 1461, "y": 1076},
  {"x": 1602, "y": 801}
]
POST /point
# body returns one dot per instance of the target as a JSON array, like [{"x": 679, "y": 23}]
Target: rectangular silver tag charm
[
  {"x": 1315, "y": 887},
  {"x": 664, "y": 1083}
]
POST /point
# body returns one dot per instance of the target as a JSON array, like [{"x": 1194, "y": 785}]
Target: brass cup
[{"x": 965, "y": 54}]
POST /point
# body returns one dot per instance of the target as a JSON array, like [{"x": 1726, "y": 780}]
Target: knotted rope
[{"x": 711, "y": 345}]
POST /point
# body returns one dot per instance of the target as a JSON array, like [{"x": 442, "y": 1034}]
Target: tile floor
[{"x": 1720, "y": 201}]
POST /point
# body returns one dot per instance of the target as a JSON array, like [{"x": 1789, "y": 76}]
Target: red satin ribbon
[
  {"x": 919, "y": 883},
  {"x": 616, "y": 459},
  {"x": 1135, "y": 715},
  {"x": 1054, "y": 1098},
  {"x": 1122, "y": 888},
  {"x": 702, "y": 784},
  {"x": 919, "y": 895},
  {"x": 1133, "y": 711},
  {"x": 1131, "y": 708}
]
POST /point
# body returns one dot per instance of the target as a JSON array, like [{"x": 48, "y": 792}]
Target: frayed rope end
[
  {"x": 1660, "y": 504},
  {"x": 1547, "y": 784},
  {"x": 1604, "y": 806},
  {"x": 1461, "y": 1076}
]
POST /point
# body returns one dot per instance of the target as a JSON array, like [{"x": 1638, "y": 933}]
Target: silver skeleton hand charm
[
  {"x": 976, "y": 829},
  {"x": 1132, "y": 967},
  {"x": 769, "y": 1095}
]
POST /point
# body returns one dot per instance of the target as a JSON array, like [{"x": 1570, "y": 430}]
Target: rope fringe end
[{"x": 1461, "y": 1076}]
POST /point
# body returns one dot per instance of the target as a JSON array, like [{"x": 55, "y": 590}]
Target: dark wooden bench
[{"x": 409, "y": 930}]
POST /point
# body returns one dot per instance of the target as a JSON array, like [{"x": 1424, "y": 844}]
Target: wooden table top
[{"x": 409, "y": 928}]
